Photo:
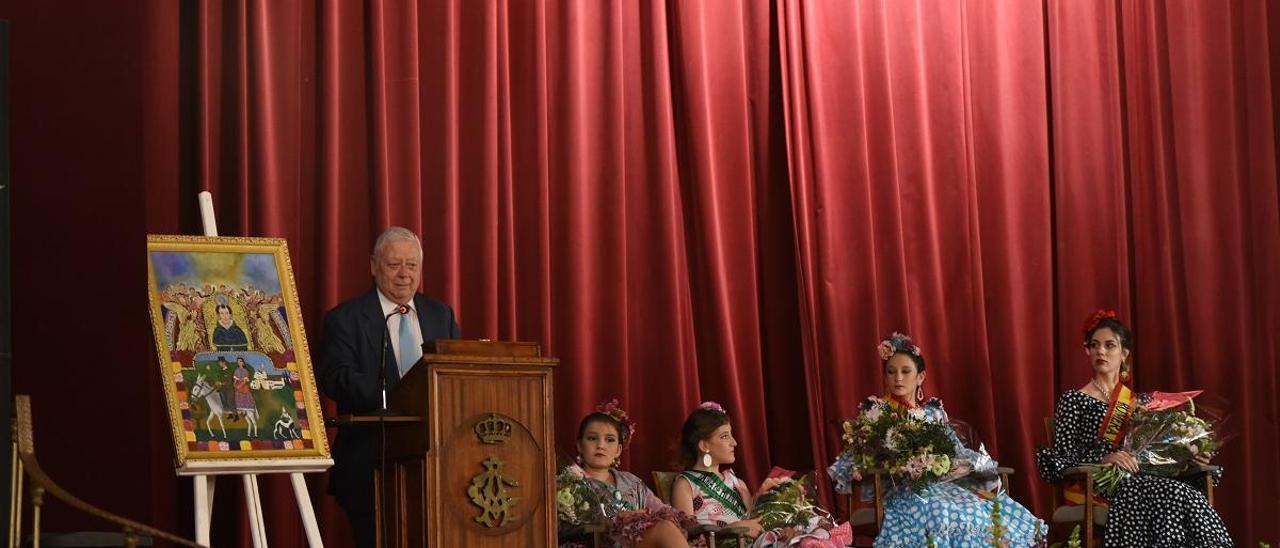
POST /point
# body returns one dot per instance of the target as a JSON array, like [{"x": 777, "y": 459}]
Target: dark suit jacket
[{"x": 349, "y": 374}]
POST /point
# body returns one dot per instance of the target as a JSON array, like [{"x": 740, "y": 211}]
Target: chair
[
  {"x": 1090, "y": 515},
  {"x": 866, "y": 521},
  {"x": 25, "y": 467}
]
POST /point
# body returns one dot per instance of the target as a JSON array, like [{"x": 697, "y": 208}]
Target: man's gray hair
[{"x": 396, "y": 234}]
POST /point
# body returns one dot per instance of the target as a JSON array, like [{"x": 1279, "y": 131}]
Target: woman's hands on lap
[{"x": 1122, "y": 459}]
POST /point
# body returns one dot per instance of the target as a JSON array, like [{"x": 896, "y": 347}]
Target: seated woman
[
  {"x": 647, "y": 521},
  {"x": 1145, "y": 510},
  {"x": 950, "y": 513},
  {"x": 715, "y": 496}
]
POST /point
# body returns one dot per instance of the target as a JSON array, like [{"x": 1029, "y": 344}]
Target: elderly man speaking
[{"x": 354, "y": 362}]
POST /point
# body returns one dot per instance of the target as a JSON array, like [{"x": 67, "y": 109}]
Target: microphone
[
  {"x": 400, "y": 310},
  {"x": 386, "y": 336}
]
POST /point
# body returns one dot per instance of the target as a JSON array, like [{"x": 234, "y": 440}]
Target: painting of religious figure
[{"x": 233, "y": 355}]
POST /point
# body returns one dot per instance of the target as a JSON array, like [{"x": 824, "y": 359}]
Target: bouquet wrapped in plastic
[
  {"x": 786, "y": 504},
  {"x": 1166, "y": 438},
  {"x": 580, "y": 501},
  {"x": 901, "y": 442},
  {"x": 788, "y": 515}
]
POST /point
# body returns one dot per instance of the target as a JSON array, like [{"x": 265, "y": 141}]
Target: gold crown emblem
[{"x": 493, "y": 429}]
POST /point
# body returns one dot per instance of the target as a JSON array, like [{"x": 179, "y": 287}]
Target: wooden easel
[
  {"x": 201, "y": 471},
  {"x": 202, "y": 474}
]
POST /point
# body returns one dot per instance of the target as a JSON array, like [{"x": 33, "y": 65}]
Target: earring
[
  {"x": 1124, "y": 369},
  {"x": 706, "y": 460},
  {"x": 920, "y": 393},
  {"x": 577, "y": 459},
  {"x": 617, "y": 462}
]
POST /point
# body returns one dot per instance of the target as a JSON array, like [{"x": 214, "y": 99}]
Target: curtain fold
[
  {"x": 734, "y": 201},
  {"x": 922, "y": 220}
]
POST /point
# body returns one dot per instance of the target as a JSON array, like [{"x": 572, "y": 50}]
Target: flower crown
[
  {"x": 712, "y": 406},
  {"x": 897, "y": 342},
  {"x": 612, "y": 409},
  {"x": 1096, "y": 318}
]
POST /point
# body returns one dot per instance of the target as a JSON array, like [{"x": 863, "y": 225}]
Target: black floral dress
[{"x": 1146, "y": 511}]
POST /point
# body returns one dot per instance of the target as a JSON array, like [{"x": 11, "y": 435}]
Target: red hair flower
[{"x": 1101, "y": 314}]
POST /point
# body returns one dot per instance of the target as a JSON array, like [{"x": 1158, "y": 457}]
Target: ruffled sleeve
[
  {"x": 1075, "y": 439},
  {"x": 841, "y": 471},
  {"x": 634, "y": 491}
]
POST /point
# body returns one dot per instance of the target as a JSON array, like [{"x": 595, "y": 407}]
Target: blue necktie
[{"x": 409, "y": 352}]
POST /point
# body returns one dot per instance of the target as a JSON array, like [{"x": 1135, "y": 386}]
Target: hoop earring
[
  {"x": 706, "y": 460},
  {"x": 617, "y": 462},
  {"x": 920, "y": 393},
  {"x": 1124, "y": 369}
]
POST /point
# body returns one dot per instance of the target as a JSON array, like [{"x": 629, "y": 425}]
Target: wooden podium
[{"x": 479, "y": 468}]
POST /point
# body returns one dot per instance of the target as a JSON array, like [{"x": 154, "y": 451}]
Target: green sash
[{"x": 714, "y": 486}]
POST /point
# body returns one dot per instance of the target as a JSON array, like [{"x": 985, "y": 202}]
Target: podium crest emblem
[
  {"x": 494, "y": 429},
  {"x": 489, "y": 491}
]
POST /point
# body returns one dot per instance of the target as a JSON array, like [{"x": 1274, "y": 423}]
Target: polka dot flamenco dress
[{"x": 1146, "y": 511}]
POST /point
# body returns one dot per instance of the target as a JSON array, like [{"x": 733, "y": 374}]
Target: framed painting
[{"x": 233, "y": 356}]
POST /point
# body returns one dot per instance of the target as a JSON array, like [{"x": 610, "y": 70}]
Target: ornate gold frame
[{"x": 191, "y": 454}]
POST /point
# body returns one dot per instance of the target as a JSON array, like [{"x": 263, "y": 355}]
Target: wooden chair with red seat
[{"x": 1090, "y": 514}]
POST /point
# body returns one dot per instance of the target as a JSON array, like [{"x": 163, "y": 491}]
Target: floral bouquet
[
  {"x": 1166, "y": 437},
  {"x": 900, "y": 442},
  {"x": 787, "y": 504},
  {"x": 580, "y": 501},
  {"x": 789, "y": 517}
]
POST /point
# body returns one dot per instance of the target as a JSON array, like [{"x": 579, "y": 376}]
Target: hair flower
[
  {"x": 614, "y": 409},
  {"x": 712, "y": 406},
  {"x": 886, "y": 350},
  {"x": 1096, "y": 318},
  {"x": 897, "y": 342}
]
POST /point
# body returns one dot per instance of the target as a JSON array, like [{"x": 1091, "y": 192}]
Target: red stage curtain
[{"x": 693, "y": 200}]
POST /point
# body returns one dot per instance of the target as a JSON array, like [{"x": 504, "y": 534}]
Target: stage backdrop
[{"x": 683, "y": 201}]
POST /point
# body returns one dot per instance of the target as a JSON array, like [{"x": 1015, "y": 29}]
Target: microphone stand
[
  {"x": 382, "y": 421},
  {"x": 382, "y": 359}
]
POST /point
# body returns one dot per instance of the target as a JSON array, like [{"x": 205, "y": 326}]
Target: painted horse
[{"x": 204, "y": 390}]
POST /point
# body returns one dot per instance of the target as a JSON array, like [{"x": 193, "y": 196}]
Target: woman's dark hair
[
  {"x": 1116, "y": 326},
  {"x": 219, "y": 308},
  {"x": 702, "y": 422},
  {"x": 624, "y": 432},
  {"x": 918, "y": 359}
]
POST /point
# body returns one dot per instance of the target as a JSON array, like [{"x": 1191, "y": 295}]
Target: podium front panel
[{"x": 488, "y": 455}]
